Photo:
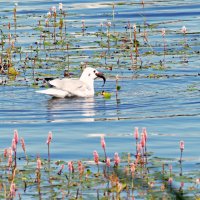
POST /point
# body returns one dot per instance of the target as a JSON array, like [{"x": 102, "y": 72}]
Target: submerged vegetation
[
  {"x": 137, "y": 174},
  {"x": 58, "y": 43}
]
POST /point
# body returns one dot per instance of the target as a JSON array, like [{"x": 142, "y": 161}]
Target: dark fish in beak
[{"x": 100, "y": 75}]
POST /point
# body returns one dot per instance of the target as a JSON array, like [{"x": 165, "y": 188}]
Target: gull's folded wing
[{"x": 75, "y": 87}]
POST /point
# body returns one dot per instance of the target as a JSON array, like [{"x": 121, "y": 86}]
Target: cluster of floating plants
[
  {"x": 60, "y": 45},
  {"x": 137, "y": 174}
]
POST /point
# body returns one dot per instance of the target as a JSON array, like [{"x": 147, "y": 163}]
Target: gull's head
[{"x": 90, "y": 73}]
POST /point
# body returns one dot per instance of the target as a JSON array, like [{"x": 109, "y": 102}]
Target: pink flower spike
[
  {"x": 103, "y": 143},
  {"x": 143, "y": 141},
  {"x": 144, "y": 130},
  {"x": 182, "y": 184},
  {"x": 60, "y": 6},
  {"x": 5, "y": 153},
  {"x": 39, "y": 163},
  {"x": 53, "y": 8},
  {"x": 10, "y": 151},
  {"x": 12, "y": 190},
  {"x": 170, "y": 180},
  {"x": 62, "y": 166},
  {"x": 16, "y": 136},
  {"x": 182, "y": 145},
  {"x": 49, "y": 138},
  {"x": 163, "y": 32},
  {"x": 116, "y": 159},
  {"x": 108, "y": 162},
  {"x": 136, "y": 133},
  {"x": 14, "y": 147},
  {"x": 139, "y": 148},
  {"x": 23, "y": 144},
  {"x": 49, "y": 14},
  {"x": 197, "y": 181},
  {"x": 132, "y": 168},
  {"x": 184, "y": 30},
  {"x": 9, "y": 161},
  {"x": 61, "y": 169},
  {"x": 96, "y": 157},
  {"x": 80, "y": 166},
  {"x": 70, "y": 166}
]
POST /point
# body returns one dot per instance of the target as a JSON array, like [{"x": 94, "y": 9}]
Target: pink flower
[
  {"x": 10, "y": 161},
  {"x": 181, "y": 145},
  {"x": 49, "y": 14},
  {"x": 182, "y": 184},
  {"x": 170, "y": 180},
  {"x": 142, "y": 141},
  {"x": 132, "y": 168},
  {"x": 134, "y": 27},
  {"x": 70, "y": 166},
  {"x": 108, "y": 23},
  {"x": 184, "y": 30},
  {"x": 14, "y": 147},
  {"x": 151, "y": 184},
  {"x": 117, "y": 77},
  {"x": 23, "y": 144},
  {"x": 103, "y": 143},
  {"x": 12, "y": 190},
  {"x": 139, "y": 147},
  {"x": 163, "y": 32},
  {"x": 96, "y": 157},
  {"x": 144, "y": 130},
  {"x": 108, "y": 162},
  {"x": 197, "y": 181},
  {"x": 62, "y": 166},
  {"x": 16, "y": 136},
  {"x": 60, "y": 6},
  {"x": 136, "y": 133},
  {"x": 80, "y": 167},
  {"x": 9, "y": 151},
  {"x": 61, "y": 169},
  {"x": 116, "y": 159},
  {"x": 49, "y": 138},
  {"x": 39, "y": 163},
  {"x": 53, "y": 8},
  {"x": 5, "y": 153}
]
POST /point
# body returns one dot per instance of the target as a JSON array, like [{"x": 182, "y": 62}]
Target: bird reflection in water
[{"x": 71, "y": 110}]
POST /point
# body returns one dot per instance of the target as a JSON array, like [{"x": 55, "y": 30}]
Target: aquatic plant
[
  {"x": 182, "y": 146},
  {"x": 124, "y": 176},
  {"x": 103, "y": 145},
  {"x": 56, "y": 38},
  {"x": 49, "y": 138},
  {"x": 163, "y": 32}
]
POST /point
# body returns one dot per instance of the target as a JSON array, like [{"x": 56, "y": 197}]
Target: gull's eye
[
  {"x": 88, "y": 74},
  {"x": 94, "y": 71}
]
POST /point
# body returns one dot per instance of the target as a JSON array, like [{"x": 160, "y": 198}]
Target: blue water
[{"x": 166, "y": 106}]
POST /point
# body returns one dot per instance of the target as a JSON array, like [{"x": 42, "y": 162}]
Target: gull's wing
[{"x": 75, "y": 87}]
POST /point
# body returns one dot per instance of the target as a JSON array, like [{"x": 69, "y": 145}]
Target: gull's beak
[{"x": 100, "y": 75}]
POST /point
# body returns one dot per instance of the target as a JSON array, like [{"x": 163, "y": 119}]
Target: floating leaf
[
  {"x": 12, "y": 71},
  {"x": 106, "y": 95}
]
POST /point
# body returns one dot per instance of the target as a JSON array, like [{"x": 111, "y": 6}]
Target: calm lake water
[{"x": 168, "y": 106}]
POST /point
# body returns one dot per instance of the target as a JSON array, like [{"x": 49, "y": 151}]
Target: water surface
[{"x": 167, "y": 106}]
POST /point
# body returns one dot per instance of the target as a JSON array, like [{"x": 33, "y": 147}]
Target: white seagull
[{"x": 82, "y": 87}]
